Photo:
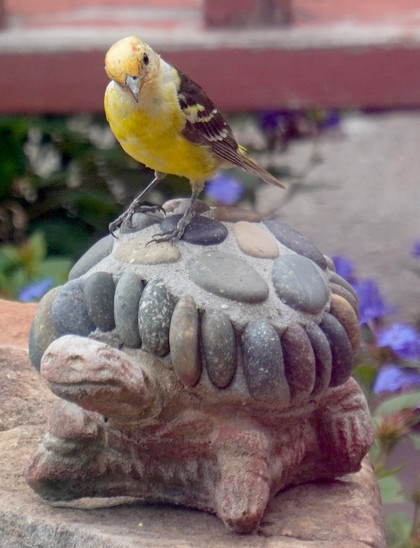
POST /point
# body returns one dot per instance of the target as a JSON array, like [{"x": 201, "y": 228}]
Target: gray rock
[
  {"x": 101, "y": 249},
  {"x": 219, "y": 347},
  {"x": 43, "y": 330},
  {"x": 228, "y": 276},
  {"x": 299, "y": 282},
  {"x": 69, "y": 312},
  {"x": 141, "y": 220},
  {"x": 155, "y": 312},
  {"x": 99, "y": 292},
  {"x": 341, "y": 350},
  {"x": 35, "y": 353},
  {"x": 292, "y": 239},
  {"x": 200, "y": 230},
  {"x": 126, "y": 308},
  {"x": 184, "y": 341},
  {"x": 263, "y": 362},
  {"x": 323, "y": 357},
  {"x": 337, "y": 279},
  {"x": 330, "y": 263}
]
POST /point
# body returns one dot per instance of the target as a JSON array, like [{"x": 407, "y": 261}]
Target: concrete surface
[{"x": 361, "y": 200}]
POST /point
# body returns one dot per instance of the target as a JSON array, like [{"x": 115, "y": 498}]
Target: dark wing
[{"x": 205, "y": 125}]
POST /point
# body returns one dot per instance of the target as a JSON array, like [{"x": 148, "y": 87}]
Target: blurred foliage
[
  {"x": 387, "y": 368},
  {"x": 63, "y": 179},
  {"x": 25, "y": 264},
  {"x": 62, "y": 176}
]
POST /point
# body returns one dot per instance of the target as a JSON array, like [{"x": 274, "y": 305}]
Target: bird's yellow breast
[{"x": 151, "y": 133}]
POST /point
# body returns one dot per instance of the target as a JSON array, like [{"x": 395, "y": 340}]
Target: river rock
[{"x": 228, "y": 276}]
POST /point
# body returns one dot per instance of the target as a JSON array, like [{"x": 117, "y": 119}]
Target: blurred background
[{"x": 324, "y": 94}]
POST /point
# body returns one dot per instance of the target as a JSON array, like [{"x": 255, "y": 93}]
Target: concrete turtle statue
[{"x": 210, "y": 374}]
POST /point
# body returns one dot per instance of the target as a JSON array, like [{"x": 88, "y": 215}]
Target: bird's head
[{"x": 128, "y": 62}]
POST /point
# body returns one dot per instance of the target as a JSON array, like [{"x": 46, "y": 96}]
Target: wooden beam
[
  {"x": 2, "y": 15},
  {"x": 236, "y": 78},
  {"x": 246, "y": 13}
]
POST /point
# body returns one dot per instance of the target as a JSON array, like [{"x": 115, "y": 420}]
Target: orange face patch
[{"x": 124, "y": 59}]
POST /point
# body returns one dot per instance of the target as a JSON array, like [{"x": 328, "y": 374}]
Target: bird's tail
[{"x": 251, "y": 167}]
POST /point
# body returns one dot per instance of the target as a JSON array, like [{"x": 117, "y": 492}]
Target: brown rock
[
  {"x": 255, "y": 240},
  {"x": 331, "y": 514},
  {"x": 15, "y": 322},
  {"x": 345, "y": 314},
  {"x": 24, "y": 396},
  {"x": 299, "y": 361},
  {"x": 183, "y": 341},
  {"x": 234, "y": 214},
  {"x": 342, "y": 292}
]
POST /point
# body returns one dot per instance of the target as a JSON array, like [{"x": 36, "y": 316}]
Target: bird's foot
[
  {"x": 171, "y": 236},
  {"x": 126, "y": 218},
  {"x": 175, "y": 234}
]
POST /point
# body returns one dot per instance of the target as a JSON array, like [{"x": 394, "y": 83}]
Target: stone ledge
[{"x": 346, "y": 512}]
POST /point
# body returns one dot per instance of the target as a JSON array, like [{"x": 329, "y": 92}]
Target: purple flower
[
  {"x": 415, "y": 252},
  {"x": 371, "y": 302},
  {"x": 35, "y": 290},
  {"x": 344, "y": 267},
  {"x": 273, "y": 120},
  {"x": 330, "y": 119},
  {"x": 224, "y": 189},
  {"x": 391, "y": 378},
  {"x": 402, "y": 338}
]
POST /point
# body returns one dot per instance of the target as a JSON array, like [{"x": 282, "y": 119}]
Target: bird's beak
[{"x": 133, "y": 84}]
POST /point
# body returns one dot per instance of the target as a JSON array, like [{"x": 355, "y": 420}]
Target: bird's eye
[{"x": 145, "y": 59}]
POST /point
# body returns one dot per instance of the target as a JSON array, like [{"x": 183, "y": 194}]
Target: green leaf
[
  {"x": 64, "y": 236},
  {"x": 398, "y": 526},
  {"x": 391, "y": 490},
  {"x": 375, "y": 450},
  {"x": 415, "y": 439},
  {"x": 8, "y": 258},
  {"x": 366, "y": 373},
  {"x": 38, "y": 246},
  {"x": 15, "y": 281},
  {"x": 398, "y": 403},
  {"x": 55, "y": 268},
  {"x": 391, "y": 471},
  {"x": 411, "y": 363},
  {"x": 12, "y": 160}
]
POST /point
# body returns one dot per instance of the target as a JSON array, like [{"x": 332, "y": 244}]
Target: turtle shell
[{"x": 237, "y": 304}]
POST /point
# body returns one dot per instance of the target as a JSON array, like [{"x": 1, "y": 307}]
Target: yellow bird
[{"x": 166, "y": 121}]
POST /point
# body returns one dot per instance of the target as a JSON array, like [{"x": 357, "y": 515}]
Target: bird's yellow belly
[{"x": 158, "y": 143}]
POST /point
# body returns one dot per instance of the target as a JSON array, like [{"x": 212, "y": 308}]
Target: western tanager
[{"x": 166, "y": 121}]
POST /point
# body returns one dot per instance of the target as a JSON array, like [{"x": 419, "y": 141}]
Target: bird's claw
[
  {"x": 112, "y": 227},
  {"x": 172, "y": 236},
  {"x": 175, "y": 234},
  {"x": 126, "y": 218}
]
